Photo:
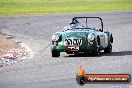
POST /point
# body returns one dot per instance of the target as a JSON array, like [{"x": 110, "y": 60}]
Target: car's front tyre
[
  {"x": 55, "y": 54},
  {"x": 97, "y": 52},
  {"x": 108, "y": 49}
]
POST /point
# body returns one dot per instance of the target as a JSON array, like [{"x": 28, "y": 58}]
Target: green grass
[{"x": 18, "y": 7}]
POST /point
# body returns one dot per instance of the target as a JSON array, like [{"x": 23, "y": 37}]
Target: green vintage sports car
[{"x": 80, "y": 37}]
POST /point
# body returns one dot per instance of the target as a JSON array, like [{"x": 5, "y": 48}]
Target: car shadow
[
  {"x": 84, "y": 55},
  {"x": 120, "y": 53}
]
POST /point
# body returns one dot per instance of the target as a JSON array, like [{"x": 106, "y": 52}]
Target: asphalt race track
[{"x": 43, "y": 71}]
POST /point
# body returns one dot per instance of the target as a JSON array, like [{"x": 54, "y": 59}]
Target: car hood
[{"x": 76, "y": 34}]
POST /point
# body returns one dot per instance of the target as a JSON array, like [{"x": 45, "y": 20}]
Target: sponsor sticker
[{"x": 73, "y": 48}]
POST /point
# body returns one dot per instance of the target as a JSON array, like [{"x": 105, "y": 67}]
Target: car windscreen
[{"x": 87, "y": 23}]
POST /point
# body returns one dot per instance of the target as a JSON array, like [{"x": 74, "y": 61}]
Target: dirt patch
[
  {"x": 7, "y": 43},
  {"x": 12, "y": 52}
]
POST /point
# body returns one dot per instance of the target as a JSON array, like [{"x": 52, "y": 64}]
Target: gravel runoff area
[{"x": 12, "y": 51}]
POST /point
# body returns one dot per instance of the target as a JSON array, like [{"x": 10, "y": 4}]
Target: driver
[{"x": 74, "y": 24}]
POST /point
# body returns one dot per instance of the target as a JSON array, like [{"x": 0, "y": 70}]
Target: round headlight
[
  {"x": 55, "y": 38},
  {"x": 91, "y": 37}
]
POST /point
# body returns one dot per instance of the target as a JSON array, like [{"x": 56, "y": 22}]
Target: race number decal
[{"x": 73, "y": 42}]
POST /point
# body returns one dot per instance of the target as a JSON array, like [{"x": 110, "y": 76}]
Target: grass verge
[{"x": 17, "y": 7}]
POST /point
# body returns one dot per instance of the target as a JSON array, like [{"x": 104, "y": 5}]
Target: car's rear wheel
[
  {"x": 108, "y": 49},
  {"x": 111, "y": 39},
  {"x": 55, "y": 54}
]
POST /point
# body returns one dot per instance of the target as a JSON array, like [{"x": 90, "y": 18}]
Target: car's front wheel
[
  {"x": 108, "y": 49},
  {"x": 55, "y": 54},
  {"x": 96, "y": 52}
]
